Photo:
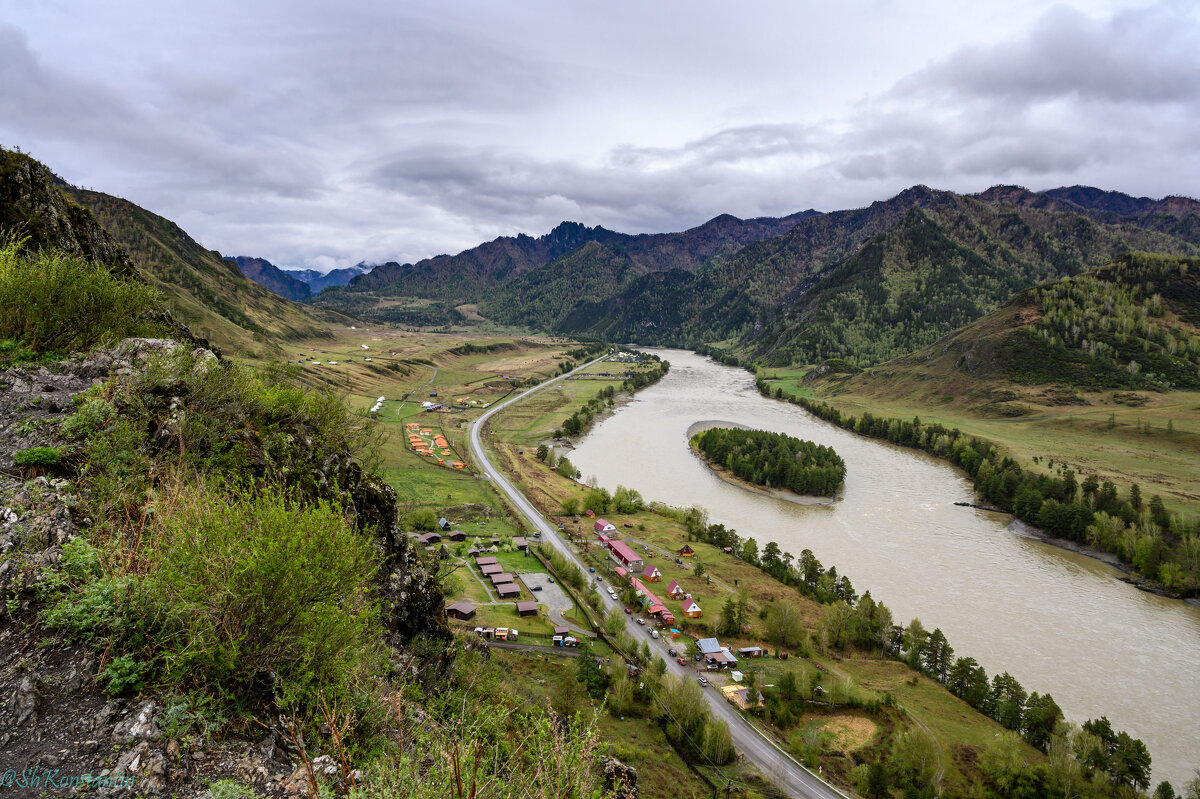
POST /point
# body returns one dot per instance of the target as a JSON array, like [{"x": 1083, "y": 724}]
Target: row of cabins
[
  {"x": 429, "y": 539},
  {"x": 632, "y": 563},
  {"x": 502, "y": 581},
  {"x": 465, "y": 611}
]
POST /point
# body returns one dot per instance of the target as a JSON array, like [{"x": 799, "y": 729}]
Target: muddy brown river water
[{"x": 1058, "y": 621}]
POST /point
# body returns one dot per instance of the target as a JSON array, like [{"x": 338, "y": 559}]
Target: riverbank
[
  {"x": 1055, "y": 620},
  {"x": 745, "y": 485}
]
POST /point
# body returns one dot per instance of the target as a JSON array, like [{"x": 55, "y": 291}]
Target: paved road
[{"x": 776, "y": 765}]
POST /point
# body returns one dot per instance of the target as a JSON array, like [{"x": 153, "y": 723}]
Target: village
[{"x": 515, "y": 606}]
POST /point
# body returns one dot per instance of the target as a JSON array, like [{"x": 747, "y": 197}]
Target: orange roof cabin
[
  {"x": 604, "y": 526},
  {"x": 674, "y": 591},
  {"x": 686, "y": 552},
  {"x": 691, "y": 609},
  {"x": 651, "y": 574},
  {"x": 459, "y": 465}
]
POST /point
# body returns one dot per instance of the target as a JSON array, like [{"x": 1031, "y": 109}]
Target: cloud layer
[{"x": 316, "y": 135}]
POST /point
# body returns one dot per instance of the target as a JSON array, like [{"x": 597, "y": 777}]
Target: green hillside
[{"x": 207, "y": 292}]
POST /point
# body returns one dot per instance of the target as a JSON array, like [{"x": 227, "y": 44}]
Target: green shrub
[
  {"x": 54, "y": 301},
  {"x": 122, "y": 673},
  {"x": 228, "y": 789},
  {"x": 255, "y": 586},
  {"x": 38, "y": 457},
  {"x": 91, "y": 416}
]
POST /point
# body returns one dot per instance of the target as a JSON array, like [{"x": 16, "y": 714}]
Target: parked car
[
  {"x": 599, "y": 579},
  {"x": 641, "y": 622},
  {"x": 672, "y": 652},
  {"x": 681, "y": 661},
  {"x": 703, "y": 682},
  {"x": 654, "y": 633},
  {"x": 696, "y": 657},
  {"x": 536, "y": 588},
  {"x": 551, "y": 579},
  {"x": 593, "y": 568},
  {"x": 627, "y": 610}
]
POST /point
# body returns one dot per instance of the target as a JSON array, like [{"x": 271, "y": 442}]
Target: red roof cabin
[
  {"x": 691, "y": 609},
  {"x": 622, "y": 554},
  {"x": 674, "y": 591},
  {"x": 686, "y": 552},
  {"x": 651, "y": 574},
  {"x": 603, "y": 526}
]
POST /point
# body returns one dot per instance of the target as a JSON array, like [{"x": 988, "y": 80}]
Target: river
[{"x": 1058, "y": 621}]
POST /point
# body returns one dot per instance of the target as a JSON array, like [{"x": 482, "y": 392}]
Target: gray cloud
[{"x": 315, "y": 133}]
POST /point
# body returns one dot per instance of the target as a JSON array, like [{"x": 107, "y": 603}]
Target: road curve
[{"x": 775, "y": 764}]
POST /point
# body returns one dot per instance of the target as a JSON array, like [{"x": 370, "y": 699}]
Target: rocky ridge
[{"x": 56, "y": 724}]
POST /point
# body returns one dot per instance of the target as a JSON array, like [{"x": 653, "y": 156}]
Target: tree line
[
  {"x": 1160, "y": 546},
  {"x": 774, "y": 460},
  {"x": 1094, "y": 759},
  {"x": 580, "y": 420}
]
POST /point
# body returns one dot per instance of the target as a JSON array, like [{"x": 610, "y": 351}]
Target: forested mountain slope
[
  {"x": 1132, "y": 324},
  {"x": 944, "y": 265},
  {"x": 208, "y": 292},
  {"x": 872, "y": 283}
]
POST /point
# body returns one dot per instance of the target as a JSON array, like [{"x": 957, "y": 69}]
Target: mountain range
[{"x": 863, "y": 284}]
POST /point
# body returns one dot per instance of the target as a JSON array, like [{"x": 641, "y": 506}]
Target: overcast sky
[{"x": 322, "y": 134}]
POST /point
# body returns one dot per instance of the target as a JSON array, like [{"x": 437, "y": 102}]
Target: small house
[
  {"x": 527, "y": 608},
  {"x": 737, "y": 695},
  {"x": 651, "y": 574},
  {"x": 686, "y": 552},
  {"x": 457, "y": 535},
  {"x": 520, "y": 543},
  {"x": 461, "y": 610},
  {"x": 603, "y": 526},
  {"x": 488, "y": 569},
  {"x": 508, "y": 590},
  {"x": 429, "y": 538},
  {"x": 750, "y": 652},
  {"x": 485, "y": 561},
  {"x": 708, "y": 646},
  {"x": 674, "y": 591},
  {"x": 691, "y": 609},
  {"x": 442, "y": 523},
  {"x": 562, "y": 630},
  {"x": 621, "y": 572},
  {"x": 502, "y": 577}
]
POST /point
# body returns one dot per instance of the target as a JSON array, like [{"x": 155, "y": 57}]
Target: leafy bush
[
  {"x": 91, "y": 417},
  {"x": 121, "y": 674},
  {"x": 252, "y": 587},
  {"x": 53, "y": 301},
  {"x": 38, "y": 457}
]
